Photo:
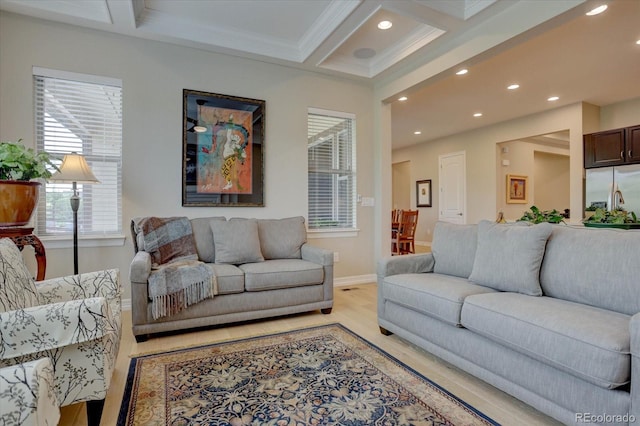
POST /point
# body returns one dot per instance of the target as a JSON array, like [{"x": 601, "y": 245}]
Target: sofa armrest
[
  {"x": 317, "y": 255},
  {"x": 634, "y": 331},
  {"x": 140, "y": 267},
  {"x": 406, "y": 264},
  {"x": 322, "y": 257}
]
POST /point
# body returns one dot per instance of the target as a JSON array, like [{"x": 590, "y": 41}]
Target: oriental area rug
[{"x": 324, "y": 375}]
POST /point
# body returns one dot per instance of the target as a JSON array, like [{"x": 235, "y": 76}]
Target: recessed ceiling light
[
  {"x": 402, "y": 98},
  {"x": 553, "y": 98},
  {"x": 513, "y": 86},
  {"x": 597, "y": 10},
  {"x": 477, "y": 114},
  {"x": 417, "y": 132},
  {"x": 385, "y": 25},
  {"x": 638, "y": 42},
  {"x": 364, "y": 53},
  {"x": 462, "y": 71}
]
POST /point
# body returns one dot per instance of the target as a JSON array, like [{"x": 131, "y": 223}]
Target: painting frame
[
  {"x": 223, "y": 140},
  {"x": 423, "y": 193},
  {"x": 517, "y": 189}
]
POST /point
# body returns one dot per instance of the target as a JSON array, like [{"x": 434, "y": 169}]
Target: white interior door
[{"x": 453, "y": 187}]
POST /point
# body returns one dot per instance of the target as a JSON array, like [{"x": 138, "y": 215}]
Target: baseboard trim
[{"x": 354, "y": 280}]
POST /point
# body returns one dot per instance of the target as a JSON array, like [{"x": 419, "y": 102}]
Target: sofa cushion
[
  {"x": 204, "y": 237},
  {"x": 508, "y": 257},
  {"x": 236, "y": 241},
  {"x": 281, "y": 273},
  {"x": 587, "y": 342},
  {"x": 597, "y": 267},
  {"x": 282, "y": 238},
  {"x": 454, "y": 248},
  {"x": 437, "y": 295},
  {"x": 230, "y": 278},
  {"x": 17, "y": 289}
]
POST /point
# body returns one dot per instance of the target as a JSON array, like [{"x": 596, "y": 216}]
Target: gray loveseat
[
  {"x": 263, "y": 268},
  {"x": 546, "y": 313}
]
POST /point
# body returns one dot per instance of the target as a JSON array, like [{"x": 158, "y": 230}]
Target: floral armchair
[{"x": 74, "y": 321}]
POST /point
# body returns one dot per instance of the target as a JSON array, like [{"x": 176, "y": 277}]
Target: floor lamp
[{"x": 74, "y": 169}]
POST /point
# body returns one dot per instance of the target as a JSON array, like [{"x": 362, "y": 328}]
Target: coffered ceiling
[{"x": 547, "y": 46}]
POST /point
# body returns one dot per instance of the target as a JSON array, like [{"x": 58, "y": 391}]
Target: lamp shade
[{"x": 74, "y": 168}]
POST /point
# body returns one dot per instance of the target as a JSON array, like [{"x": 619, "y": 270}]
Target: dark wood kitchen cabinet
[{"x": 612, "y": 147}]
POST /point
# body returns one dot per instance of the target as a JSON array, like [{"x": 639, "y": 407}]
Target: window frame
[
  {"x": 338, "y": 175},
  {"x": 65, "y": 239}
]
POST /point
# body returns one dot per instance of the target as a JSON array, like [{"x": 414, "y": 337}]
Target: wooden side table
[{"x": 24, "y": 237}]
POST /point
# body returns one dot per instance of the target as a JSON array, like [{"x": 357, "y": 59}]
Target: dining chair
[{"x": 404, "y": 239}]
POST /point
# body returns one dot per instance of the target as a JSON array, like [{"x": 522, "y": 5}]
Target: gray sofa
[
  {"x": 263, "y": 270},
  {"x": 546, "y": 313}
]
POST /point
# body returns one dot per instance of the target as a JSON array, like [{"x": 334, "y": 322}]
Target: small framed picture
[
  {"x": 517, "y": 188},
  {"x": 423, "y": 193}
]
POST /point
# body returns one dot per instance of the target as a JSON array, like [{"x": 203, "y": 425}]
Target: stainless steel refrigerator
[{"x": 601, "y": 183}]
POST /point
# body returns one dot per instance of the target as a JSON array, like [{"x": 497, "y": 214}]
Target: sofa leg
[
  {"x": 326, "y": 311},
  {"x": 94, "y": 412},
  {"x": 385, "y": 332},
  {"x": 142, "y": 338}
]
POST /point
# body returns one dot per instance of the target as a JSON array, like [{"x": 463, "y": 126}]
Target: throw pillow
[
  {"x": 204, "y": 238},
  {"x": 17, "y": 288},
  {"x": 508, "y": 257},
  {"x": 236, "y": 241},
  {"x": 454, "y": 248},
  {"x": 168, "y": 239},
  {"x": 282, "y": 238}
]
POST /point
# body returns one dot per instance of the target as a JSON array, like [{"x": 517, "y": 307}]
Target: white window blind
[
  {"x": 331, "y": 153},
  {"x": 83, "y": 114}
]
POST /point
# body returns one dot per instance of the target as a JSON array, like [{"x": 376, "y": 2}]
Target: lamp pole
[{"x": 75, "y": 204}]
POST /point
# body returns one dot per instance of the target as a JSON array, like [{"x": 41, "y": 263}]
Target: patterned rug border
[{"x": 126, "y": 398}]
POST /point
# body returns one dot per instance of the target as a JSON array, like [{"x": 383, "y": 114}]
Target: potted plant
[
  {"x": 535, "y": 215},
  {"x": 18, "y": 192}
]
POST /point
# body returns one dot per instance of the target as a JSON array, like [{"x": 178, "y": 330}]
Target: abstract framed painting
[{"x": 222, "y": 150}]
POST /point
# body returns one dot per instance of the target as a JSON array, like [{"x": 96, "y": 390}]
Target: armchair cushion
[
  {"x": 18, "y": 289},
  {"x": 27, "y": 394}
]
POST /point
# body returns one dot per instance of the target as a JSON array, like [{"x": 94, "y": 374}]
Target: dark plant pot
[{"x": 18, "y": 200}]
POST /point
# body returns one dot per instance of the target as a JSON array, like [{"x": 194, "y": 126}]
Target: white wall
[
  {"x": 551, "y": 181},
  {"x": 401, "y": 183},
  {"x": 622, "y": 114},
  {"x": 154, "y": 75}
]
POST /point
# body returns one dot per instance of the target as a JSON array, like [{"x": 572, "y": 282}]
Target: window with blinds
[
  {"x": 82, "y": 114},
  {"x": 331, "y": 144}
]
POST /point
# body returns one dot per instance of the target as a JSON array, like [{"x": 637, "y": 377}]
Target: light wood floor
[{"x": 355, "y": 308}]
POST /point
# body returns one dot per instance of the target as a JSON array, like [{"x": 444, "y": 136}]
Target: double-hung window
[
  {"x": 82, "y": 114},
  {"x": 331, "y": 150}
]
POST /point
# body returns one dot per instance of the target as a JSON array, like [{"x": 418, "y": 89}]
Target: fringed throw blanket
[
  {"x": 178, "y": 279},
  {"x": 177, "y": 285}
]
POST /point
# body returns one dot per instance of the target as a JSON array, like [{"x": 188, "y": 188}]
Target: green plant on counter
[
  {"x": 535, "y": 215},
  {"x": 615, "y": 216}
]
